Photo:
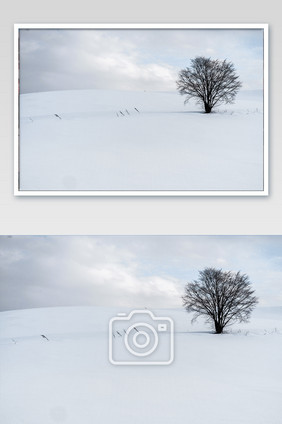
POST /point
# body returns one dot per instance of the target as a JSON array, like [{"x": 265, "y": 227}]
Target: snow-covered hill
[
  {"x": 121, "y": 140},
  {"x": 66, "y": 377}
]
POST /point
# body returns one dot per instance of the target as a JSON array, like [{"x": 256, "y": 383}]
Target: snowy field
[
  {"x": 114, "y": 140},
  {"x": 216, "y": 379}
]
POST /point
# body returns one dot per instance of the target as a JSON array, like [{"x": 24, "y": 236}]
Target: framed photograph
[{"x": 141, "y": 110}]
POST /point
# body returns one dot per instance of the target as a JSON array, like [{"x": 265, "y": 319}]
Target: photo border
[{"x": 141, "y": 193}]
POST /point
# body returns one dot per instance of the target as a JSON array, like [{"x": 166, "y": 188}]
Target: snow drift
[
  {"x": 121, "y": 140},
  {"x": 66, "y": 377}
]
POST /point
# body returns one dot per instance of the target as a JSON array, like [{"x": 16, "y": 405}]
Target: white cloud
[
  {"x": 129, "y": 271},
  {"x": 78, "y": 270},
  {"x": 130, "y": 59}
]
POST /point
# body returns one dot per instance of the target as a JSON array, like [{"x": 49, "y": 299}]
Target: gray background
[{"x": 89, "y": 215}]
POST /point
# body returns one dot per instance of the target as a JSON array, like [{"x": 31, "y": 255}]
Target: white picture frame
[{"x": 19, "y": 191}]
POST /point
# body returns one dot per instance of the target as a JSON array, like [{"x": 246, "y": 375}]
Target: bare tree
[
  {"x": 222, "y": 297},
  {"x": 212, "y": 82}
]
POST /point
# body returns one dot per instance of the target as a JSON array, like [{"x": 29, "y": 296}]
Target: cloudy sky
[
  {"x": 129, "y": 271},
  {"x": 133, "y": 59}
]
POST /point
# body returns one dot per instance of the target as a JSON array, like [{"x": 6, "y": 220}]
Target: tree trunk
[
  {"x": 218, "y": 327},
  {"x": 207, "y": 108}
]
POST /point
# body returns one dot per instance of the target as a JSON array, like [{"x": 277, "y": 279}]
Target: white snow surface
[
  {"x": 167, "y": 145},
  {"x": 218, "y": 379}
]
